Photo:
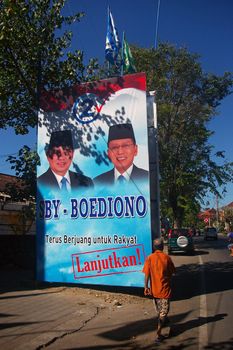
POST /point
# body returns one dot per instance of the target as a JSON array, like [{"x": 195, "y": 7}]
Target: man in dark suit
[
  {"x": 122, "y": 149},
  {"x": 60, "y": 154}
]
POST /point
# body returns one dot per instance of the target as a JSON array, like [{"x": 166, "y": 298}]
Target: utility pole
[
  {"x": 154, "y": 164},
  {"x": 217, "y": 216}
]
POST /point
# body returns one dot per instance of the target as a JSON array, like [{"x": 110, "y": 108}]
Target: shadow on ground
[
  {"x": 127, "y": 335},
  {"x": 187, "y": 281}
]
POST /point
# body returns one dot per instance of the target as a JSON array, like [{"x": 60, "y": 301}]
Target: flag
[
  {"x": 113, "y": 45},
  {"x": 128, "y": 61}
]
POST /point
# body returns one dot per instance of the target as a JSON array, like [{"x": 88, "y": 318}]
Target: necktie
[
  {"x": 121, "y": 179},
  {"x": 63, "y": 184}
]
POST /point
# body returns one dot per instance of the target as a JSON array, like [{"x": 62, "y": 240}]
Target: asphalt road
[
  {"x": 218, "y": 279},
  {"x": 203, "y": 294}
]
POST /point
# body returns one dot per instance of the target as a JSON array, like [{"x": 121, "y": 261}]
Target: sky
[{"x": 204, "y": 27}]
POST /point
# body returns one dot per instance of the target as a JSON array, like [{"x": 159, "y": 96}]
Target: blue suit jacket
[
  {"x": 76, "y": 180},
  {"x": 108, "y": 177}
]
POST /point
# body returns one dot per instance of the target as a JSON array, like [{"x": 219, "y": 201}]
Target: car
[
  {"x": 180, "y": 240},
  {"x": 210, "y": 232}
]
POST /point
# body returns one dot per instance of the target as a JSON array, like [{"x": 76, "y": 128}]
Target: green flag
[{"x": 128, "y": 62}]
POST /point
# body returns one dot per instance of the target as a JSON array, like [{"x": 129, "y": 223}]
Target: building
[
  {"x": 223, "y": 217},
  {"x": 209, "y": 215},
  {"x": 16, "y": 217}
]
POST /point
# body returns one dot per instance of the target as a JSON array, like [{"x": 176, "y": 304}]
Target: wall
[{"x": 17, "y": 239}]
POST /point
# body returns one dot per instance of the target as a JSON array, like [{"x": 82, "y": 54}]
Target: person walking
[{"x": 158, "y": 270}]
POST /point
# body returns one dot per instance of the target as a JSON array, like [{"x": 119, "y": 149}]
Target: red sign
[{"x": 108, "y": 261}]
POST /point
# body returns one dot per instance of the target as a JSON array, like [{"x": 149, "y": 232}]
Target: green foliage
[
  {"x": 191, "y": 211},
  {"x": 34, "y": 57},
  {"x": 24, "y": 165},
  {"x": 187, "y": 99}
]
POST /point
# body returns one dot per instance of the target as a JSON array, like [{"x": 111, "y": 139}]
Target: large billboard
[{"x": 93, "y": 202}]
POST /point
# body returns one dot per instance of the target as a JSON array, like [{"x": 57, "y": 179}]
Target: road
[{"x": 202, "y": 310}]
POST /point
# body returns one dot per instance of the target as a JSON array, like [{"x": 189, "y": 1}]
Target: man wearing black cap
[
  {"x": 60, "y": 154},
  {"x": 122, "y": 149}
]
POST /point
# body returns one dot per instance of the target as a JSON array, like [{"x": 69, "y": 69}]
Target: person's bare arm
[{"x": 147, "y": 290}]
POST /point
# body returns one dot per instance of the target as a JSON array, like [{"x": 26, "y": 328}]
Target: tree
[
  {"x": 25, "y": 169},
  {"x": 187, "y": 99},
  {"x": 34, "y": 41}
]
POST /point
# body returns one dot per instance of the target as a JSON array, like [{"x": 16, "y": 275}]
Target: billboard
[{"x": 93, "y": 197}]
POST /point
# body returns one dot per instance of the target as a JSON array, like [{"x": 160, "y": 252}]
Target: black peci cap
[
  {"x": 121, "y": 131},
  {"x": 61, "y": 138}
]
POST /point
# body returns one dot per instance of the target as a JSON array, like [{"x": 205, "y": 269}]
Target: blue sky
[{"x": 204, "y": 27}]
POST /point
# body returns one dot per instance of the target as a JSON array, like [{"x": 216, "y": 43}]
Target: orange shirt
[{"x": 160, "y": 268}]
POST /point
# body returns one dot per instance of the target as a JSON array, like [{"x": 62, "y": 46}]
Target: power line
[{"x": 157, "y": 24}]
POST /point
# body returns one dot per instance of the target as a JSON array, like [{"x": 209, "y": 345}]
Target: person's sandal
[{"x": 159, "y": 339}]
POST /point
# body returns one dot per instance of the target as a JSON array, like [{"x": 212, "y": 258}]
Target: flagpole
[
  {"x": 108, "y": 63},
  {"x": 157, "y": 24},
  {"x": 122, "y": 54}
]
